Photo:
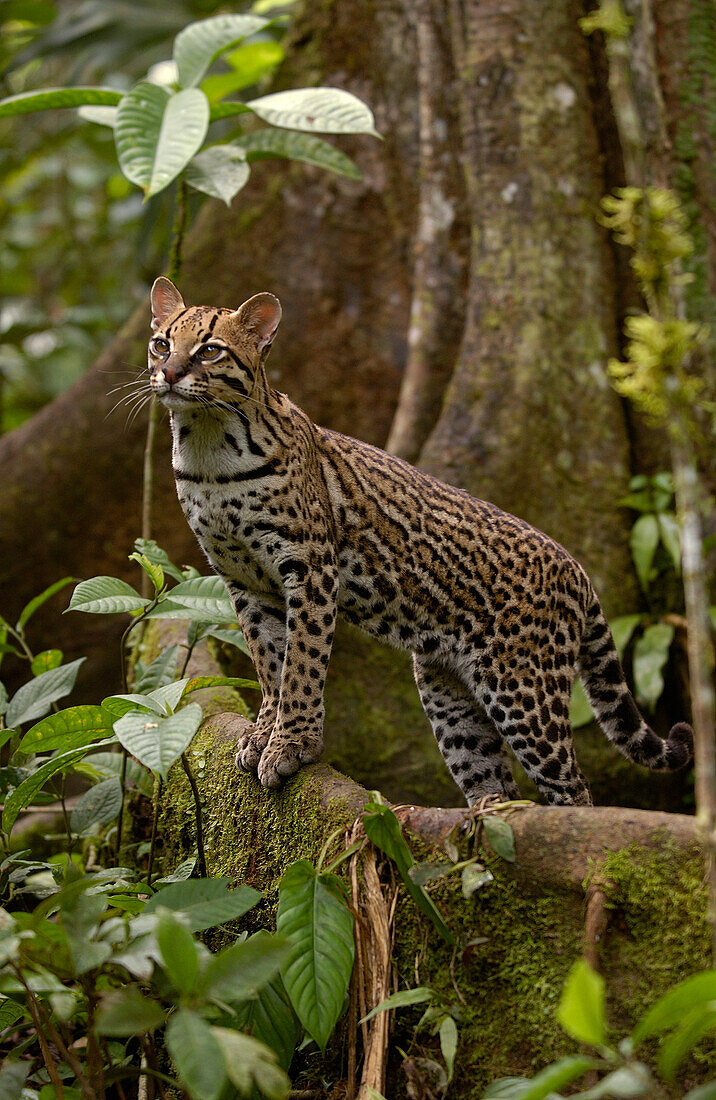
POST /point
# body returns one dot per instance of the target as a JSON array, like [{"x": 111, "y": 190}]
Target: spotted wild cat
[{"x": 303, "y": 524}]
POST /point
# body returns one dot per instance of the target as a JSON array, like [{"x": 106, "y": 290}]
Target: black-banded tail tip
[{"x": 681, "y": 744}]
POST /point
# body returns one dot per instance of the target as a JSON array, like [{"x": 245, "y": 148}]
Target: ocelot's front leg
[
  {"x": 297, "y": 736},
  {"x": 262, "y": 622}
]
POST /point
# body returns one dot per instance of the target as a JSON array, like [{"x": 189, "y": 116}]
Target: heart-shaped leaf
[
  {"x": 155, "y": 741},
  {"x": 157, "y": 133}
]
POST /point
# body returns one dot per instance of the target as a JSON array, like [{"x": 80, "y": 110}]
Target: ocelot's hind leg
[
  {"x": 263, "y": 625},
  {"x": 470, "y": 744}
]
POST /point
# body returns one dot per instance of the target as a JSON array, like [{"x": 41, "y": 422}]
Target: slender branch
[
  {"x": 155, "y": 822},
  {"x": 201, "y": 856}
]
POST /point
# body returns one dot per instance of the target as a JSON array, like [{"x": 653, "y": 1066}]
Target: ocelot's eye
[
  {"x": 211, "y": 351},
  {"x": 160, "y": 346}
]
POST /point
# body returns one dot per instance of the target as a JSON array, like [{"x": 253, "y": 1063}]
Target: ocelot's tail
[{"x": 614, "y": 706}]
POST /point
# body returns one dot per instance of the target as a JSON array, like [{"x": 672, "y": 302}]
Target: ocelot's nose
[{"x": 173, "y": 372}]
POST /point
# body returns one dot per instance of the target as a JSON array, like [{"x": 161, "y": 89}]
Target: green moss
[{"x": 250, "y": 834}]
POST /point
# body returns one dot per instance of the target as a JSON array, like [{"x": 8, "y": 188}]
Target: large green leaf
[
  {"x": 238, "y": 972},
  {"x": 545, "y": 1084},
  {"x": 297, "y": 146},
  {"x": 581, "y": 1009},
  {"x": 501, "y": 837},
  {"x": 36, "y": 697},
  {"x": 80, "y": 916},
  {"x": 206, "y": 902},
  {"x": 651, "y": 653},
  {"x": 644, "y": 540},
  {"x": 158, "y": 742},
  {"x": 161, "y": 671},
  {"x": 697, "y": 1024},
  {"x": 270, "y": 1018},
  {"x": 220, "y": 171},
  {"x": 249, "y": 1062},
  {"x": 125, "y": 1012},
  {"x": 322, "y": 110},
  {"x": 180, "y": 956},
  {"x": 197, "y": 1055},
  {"x": 69, "y": 729},
  {"x": 206, "y": 595},
  {"x": 319, "y": 926},
  {"x": 49, "y": 98},
  {"x": 383, "y": 829},
  {"x": 671, "y": 1009},
  {"x": 198, "y": 45},
  {"x": 24, "y": 793},
  {"x": 157, "y": 133},
  {"x": 106, "y": 596},
  {"x": 13, "y": 1074},
  {"x": 97, "y": 806}
]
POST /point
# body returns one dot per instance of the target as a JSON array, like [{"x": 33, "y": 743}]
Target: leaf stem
[{"x": 201, "y": 856}]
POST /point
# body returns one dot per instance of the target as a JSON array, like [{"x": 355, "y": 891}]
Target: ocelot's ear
[
  {"x": 259, "y": 318},
  {"x": 165, "y": 299}
]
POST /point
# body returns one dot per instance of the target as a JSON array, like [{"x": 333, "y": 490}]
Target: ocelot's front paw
[
  {"x": 250, "y": 747},
  {"x": 286, "y": 753}
]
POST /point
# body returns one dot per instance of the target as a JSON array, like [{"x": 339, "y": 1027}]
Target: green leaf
[
  {"x": 422, "y": 873},
  {"x": 249, "y": 1062},
  {"x": 644, "y": 540},
  {"x": 3, "y": 698},
  {"x": 10, "y": 1013},
  {"x": 670, "y": 1009},
  {"x": 106, "y": 764},
  {"x": 628, "y": 1081},
  {"x": 206, "y": 902},
  {"x": 35, "y": 604},
  {"x": 35, "y": 698},
  {"x": 220, "y": 171},
  {"x": 13, "y": 1074},
  {"x": 622, "y": 629},
  {"x": 80, "y": 915},
  {"x": 297, "y": 146},
  {"x": 701, "y": 1021},
  {"x": 199, "y": 683},
  {"x": 581, "y": 1008},
  {"x": 106, "y": 596},
  {"x": 270, "y": 1018},
  {"x": 319, "y": 927},
  {"x": 198, "y": 46},
  {"x": 227, "y": 110},
  {"x": 48, "y": 659},
  {"x": 502, "y": 839},
  {"x": 68, "y": 729},
  {"x": 545, "y": 1084},
  {"x": 207, "y": 595},
  {"x": 152, "y": 569},
  {"x": 149, "y": 548},
  {"x": 651, "y": 653},
  {"x": 155, "y": 741},
  {"x": 402, "y": 999},
  {"x": 119, "y": 705},
  {"x": 97, "y": 806},
  {"x": 670, "y": 534},
  {"x": 124, "y": 1012},
  {"x": 235, "y": 637},
  {"x": 238, "y": 972},
  {"x": 23, "y": 794},
  {"x": 168, "y": 695},
  {"x": 197, "y": 1054},
  {"x": 50, "y": 98},
  {"x": 325, "y": 110},
  {"x": 161, "y": 671},
  {"x": 383, "y": 829},
  {"x": 580, "y": 709},
  {"x": 180, "y": 957},
  {"x": 448, "y": 1044},
  {"x": 249, "y": 63},
  {"x": 157, "y": 133}
]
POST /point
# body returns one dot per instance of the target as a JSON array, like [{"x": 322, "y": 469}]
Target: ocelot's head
[{"x": 206, "y": 356}]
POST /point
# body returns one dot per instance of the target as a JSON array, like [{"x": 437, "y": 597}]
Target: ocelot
[{"x": 303, "y": 523}]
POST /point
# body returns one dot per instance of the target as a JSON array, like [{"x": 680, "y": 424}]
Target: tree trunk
[{"x": 464, "y": 283}]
